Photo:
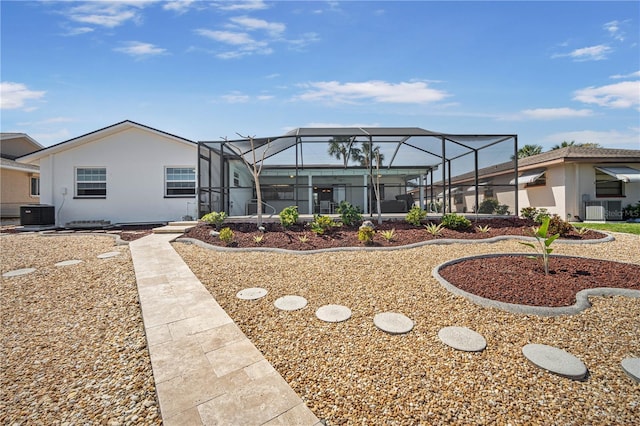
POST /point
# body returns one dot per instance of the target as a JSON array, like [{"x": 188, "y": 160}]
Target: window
[
  {"x": 180, "y": 181},
  {"x": 540, "y": 181},
  {"x": 276, "y": 192},
  {"x": 91, "y": 182},
  {"x": 606, "y": 186},
  {"x": 236, "y": 179},
  {"x": 35, "y": 186}
]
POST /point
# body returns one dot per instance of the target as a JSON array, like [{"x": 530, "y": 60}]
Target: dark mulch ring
[
  {"x": 301, "y": 238},
  {"x": 521, "y": 279}
]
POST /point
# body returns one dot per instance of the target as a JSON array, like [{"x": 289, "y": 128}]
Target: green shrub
[
  {"x": 502, "y": 209},
  {"x": 214, "y": 218},
  {"x": 454, "y": 221},
  {"x": 558, "y": 226},
  {"x": 289, "y": 216},
  {"x": 528, "y": 212},
  {"x": 322, "y": 224},
  {"x": 488, "y": 206},
  {"x": 349, "y": 215},
  {"x": 365, "y": 234},
  {"x": 226, "y": 235},
  {"x": 631, "y": 211},
  {"x": 415, "y": 216}
]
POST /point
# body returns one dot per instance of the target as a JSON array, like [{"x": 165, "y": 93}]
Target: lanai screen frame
[{"x": 236, "y": 149}]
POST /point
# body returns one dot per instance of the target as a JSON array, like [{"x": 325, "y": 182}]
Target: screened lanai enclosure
[{"x": 317, "y": 168}]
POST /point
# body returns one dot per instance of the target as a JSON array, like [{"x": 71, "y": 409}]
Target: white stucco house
[
  {"x": 576, "y": 183},
  {"x": 123, "y": 173}
]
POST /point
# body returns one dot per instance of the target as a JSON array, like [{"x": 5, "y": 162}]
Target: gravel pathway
[
  {"x": 352, "y": 373},
  {"x": 73, "y": 349}
]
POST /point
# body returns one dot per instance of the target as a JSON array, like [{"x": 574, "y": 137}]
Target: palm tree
[
  {"x": 529, "y": 150},
  {"x": 369, "y": 150},
  {"x": 565, "y": 144},
  {"x": 342, "y": 147}
]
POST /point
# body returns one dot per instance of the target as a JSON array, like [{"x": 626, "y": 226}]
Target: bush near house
[
  {"x": 491, "y": 205},
  {"x": 632, "y": 211},
  {"x": 214, "y": 218},
  {"x": 455, "y": 221},
  {"x": 557, "y": 225}
]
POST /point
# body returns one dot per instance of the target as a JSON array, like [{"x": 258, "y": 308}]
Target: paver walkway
[{"x": 205, "y": 369}]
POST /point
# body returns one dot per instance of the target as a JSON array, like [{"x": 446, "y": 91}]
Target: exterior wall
[
  {"x": 135, "y": 162},
  {"x": 15, "y": 187}
]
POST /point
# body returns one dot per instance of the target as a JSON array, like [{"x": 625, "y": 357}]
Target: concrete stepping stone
[
  {"x": 462, "y": 339},
  {"x": 253, "y": 293},
  {"x": 333, "y": 313},
  {"x": 108, "y": 255},
  {"x": 18, "y": 272},
  {"x": 631, "y": 366},
  {"x": 555, "y": 360},
  {"x": 393, "y": 323},
  {"x": 68, "y": 263},
  {"x": 290, "y": 303}
]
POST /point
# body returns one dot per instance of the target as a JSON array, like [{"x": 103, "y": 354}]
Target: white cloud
[
  {"x": 15, "y": 95},
  {"x": 252, "y": 24},
  {"x": 417, "y": 92},
  {"x": 139, "y": 49},
  {"x": 591, "y": 53},
  {"x": 245, "y": 44},
  {"x": 180, "y": 6},
  {"x": 630, "y": 75},
  {"x": 555, "y": 113},
  {"x": 629, "y": 139},
  {"x": 243, "y": 5},
  {"x": 106, "y": 13},
  {"x": 613, "y": 28},
  {"x": 78, "y": 31},
  {"x": 236, "y": 98},
  {"x": 625, "y": 94}
]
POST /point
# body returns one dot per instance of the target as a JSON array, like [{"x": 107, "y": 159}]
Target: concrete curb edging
[
  {"x": 200, "y": 243},
  {"x": 582, "y": 297}
]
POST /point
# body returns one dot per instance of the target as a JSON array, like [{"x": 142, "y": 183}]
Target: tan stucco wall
[{"x": 14, "y": 192}]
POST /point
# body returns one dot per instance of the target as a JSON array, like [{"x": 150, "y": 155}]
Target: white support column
[
  {"x": 310, "y": 203},
  {"x": 365, "y": 181},
  {"x": 422, "y": 183}
]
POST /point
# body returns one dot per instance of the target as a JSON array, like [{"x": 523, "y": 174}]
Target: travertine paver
[{"x": 206, "y": 370}]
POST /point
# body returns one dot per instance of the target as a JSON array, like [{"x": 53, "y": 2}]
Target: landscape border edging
[
  {"x": 582, "y": 297},
  {"x": 202, "y": 244}
]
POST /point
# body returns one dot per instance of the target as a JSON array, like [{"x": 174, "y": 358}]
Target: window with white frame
[
  {"x": 180, "y": 182},
  {"x": 34, "y": 185},
  {"x": 91, "y": 182}
]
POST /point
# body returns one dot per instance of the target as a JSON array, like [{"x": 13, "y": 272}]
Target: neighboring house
[
  {"x": 576, "y": 183},
  {"x": 19, "y": 183},
  {"x": 124, "y": 173}
]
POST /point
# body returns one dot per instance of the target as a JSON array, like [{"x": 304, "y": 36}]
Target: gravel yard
[
  {"x": 73, "y": 349},
  {"x": 352, "y": 373}
]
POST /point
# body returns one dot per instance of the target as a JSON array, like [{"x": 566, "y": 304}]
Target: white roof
[{"x": 625, "y": 174}]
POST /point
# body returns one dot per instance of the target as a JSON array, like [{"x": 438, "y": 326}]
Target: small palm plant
[
  {"x": 434, "y": 229},
  {"x": 388, "y": 235},
  {"x": 543, "y": 243}
]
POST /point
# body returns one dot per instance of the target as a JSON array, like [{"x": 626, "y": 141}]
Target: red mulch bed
[
  {"x": 521, "y": 280},
  {"x": 275, "y": 236}
]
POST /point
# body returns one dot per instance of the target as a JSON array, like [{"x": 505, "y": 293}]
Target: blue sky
[{"x": 547, "y": 71}]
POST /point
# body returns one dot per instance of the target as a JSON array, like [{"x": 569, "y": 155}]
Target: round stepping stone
[
  {"x": 18, "y": 272},
  {"x": 462, "y": 339},
  {"x": 253, "y": 293},
  {"x": 333, "y": 313},
  {"x": 290, "y": 303},
  {"x": 68, "y": 262},
  {"x": 108, "y": 255},
  {"x": 393, "y": 323},
  {"x": 631, "y": 366},
  {"x": 555, "y": 360}
]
